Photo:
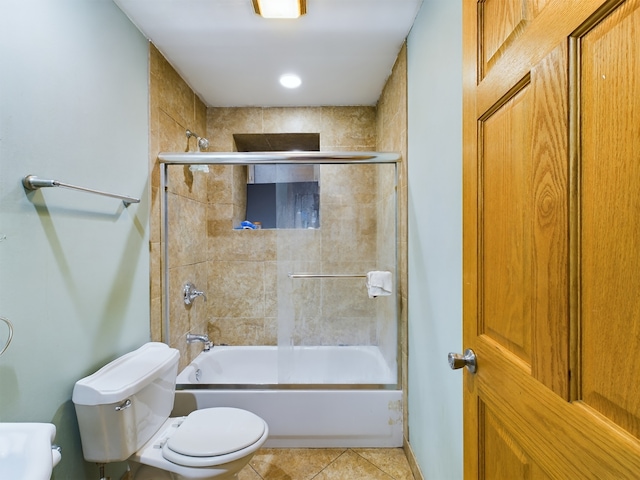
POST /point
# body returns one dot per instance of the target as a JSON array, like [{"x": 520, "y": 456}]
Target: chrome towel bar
[
  {"x": 32, "y": 182},
  {"x": 325, "y": 275}
]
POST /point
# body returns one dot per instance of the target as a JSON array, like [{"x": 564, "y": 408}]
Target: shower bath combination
[{"x": 305, "y": 347}]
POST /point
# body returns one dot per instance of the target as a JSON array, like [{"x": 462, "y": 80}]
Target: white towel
[{"x": 379, "y": 284}]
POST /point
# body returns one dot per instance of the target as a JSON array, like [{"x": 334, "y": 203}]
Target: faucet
[
  {"x": 192, "y": 337},
  {"x": 190, "y": 293}
]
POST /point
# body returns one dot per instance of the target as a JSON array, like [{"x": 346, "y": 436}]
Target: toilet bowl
[
  {"x": 207, "y": 444},
  {"x": 123, "y": 415}
]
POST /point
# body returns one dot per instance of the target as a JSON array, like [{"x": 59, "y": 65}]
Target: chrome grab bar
[
  {"x": 32, "y": 182},
  {"x": 325, "y": 275}
]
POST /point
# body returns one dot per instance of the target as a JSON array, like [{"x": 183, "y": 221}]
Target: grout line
[
  {"x": 374, "y": 465},
  {"x": 254, "y": 471},
  {"x": 330, "y": 463}
]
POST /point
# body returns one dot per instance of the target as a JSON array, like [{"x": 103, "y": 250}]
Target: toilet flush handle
[{"x": 124, "y": 405}]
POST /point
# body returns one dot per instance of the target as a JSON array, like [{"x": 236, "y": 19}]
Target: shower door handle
[{"x": 468, "y": 360}]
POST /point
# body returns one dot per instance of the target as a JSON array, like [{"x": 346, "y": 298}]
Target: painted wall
[
  {"x": 435, "y": 237},
  {"x": 74, "y": 267}
]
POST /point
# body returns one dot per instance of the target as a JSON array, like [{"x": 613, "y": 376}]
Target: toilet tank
[{"x": 124, "y": 403}]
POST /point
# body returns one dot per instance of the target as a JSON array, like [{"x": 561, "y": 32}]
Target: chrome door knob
[{"x": 468, "y": 360}]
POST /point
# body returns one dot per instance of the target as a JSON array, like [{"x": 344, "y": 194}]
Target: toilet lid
[{"x": 216, "y": 431}]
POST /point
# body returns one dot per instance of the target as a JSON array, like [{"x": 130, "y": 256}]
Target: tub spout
[{"x": 192, "y": 337}]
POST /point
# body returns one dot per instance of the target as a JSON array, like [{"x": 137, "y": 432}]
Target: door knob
[{"x": 468, "y": 360}]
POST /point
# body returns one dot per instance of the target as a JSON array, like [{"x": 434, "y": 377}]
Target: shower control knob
[{"x": 468, "y": 360}]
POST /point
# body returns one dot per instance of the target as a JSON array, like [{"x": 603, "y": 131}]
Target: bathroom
[{"x": 76, "y": 268}]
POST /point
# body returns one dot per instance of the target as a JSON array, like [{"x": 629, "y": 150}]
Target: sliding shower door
[
  {"x": 329, "y": 329},
  {"x": 281, "y": 254}
]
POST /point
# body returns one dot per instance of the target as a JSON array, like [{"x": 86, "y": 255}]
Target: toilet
[{"x": 123, "y": 414}]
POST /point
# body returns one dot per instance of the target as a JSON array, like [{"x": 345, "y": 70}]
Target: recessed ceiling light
[
  {"x": 290, "y": 80},
  {"x": 280, "y": 8}
]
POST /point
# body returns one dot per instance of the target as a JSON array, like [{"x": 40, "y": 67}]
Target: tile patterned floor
[{"x": 328, "y": 464}]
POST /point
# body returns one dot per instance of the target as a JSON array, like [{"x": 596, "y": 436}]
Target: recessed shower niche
[{"x": 281, "y": 196}]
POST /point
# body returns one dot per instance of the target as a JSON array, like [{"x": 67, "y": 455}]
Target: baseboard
[{"x": 411, "y": 458}]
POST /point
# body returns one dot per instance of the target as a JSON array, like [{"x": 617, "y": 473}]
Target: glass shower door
[{"x": 329, "y": 330}]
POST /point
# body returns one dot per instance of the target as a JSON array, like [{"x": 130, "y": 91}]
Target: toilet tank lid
[{"x": 125, "y": 376}]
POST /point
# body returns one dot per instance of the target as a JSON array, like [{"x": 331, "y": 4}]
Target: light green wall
[
  {"x": 434, "y": 57},
  {"x": 74, "y": 267}
]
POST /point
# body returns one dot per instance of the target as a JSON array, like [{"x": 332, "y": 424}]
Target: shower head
[{"x": 202, "y": 142}]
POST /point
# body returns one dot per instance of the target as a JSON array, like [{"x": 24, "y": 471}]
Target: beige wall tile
[
  {"x": 186, "y": 318},
  {"x": 346, "y": 297},
  {"x": 171, "y": 93},
  {"x": 222, "y": 123},
  {"x": 241, "y": 331},
  {"x": 348, "y": 128},
  {"x": 299, "y": 246},
  {"x": 186, "y": 183},
  {"x": 187, "y": 238},
  {"x": 220, "y": 184},
  {"x": 293, "y": 120},
  {"x": 227, "y": 244},
  {"x": 348, "y": 184},
  {"x": 238, "y": 287},
  {"x": 155, "y": 215}
]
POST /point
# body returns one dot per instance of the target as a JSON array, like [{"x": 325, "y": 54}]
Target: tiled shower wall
[
  {"x": 244, "y": 263},
  {"x": 174, "y": 108},
  {"x": 236, "y": 269}
]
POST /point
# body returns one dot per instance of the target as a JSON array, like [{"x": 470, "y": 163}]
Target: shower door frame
[{"x": 167, "y": 159}]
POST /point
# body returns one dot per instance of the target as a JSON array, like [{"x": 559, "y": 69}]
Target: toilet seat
[{"x": 212, "y": 436}]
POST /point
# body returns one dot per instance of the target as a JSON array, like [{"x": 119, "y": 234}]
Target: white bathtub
[
  {"x": 265, "y": 365},
  {"x": 333, "y": 397}
]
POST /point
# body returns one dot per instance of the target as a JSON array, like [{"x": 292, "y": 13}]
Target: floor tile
[
  {"x": 392, "y": 461},
  {"x": 293, "y": 464},
  {"x": 350, "y": 465},
  {"x": 248, "y": 473},
  {"x": 328, "y": 464}
]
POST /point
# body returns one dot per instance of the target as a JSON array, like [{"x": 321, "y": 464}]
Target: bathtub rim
[
  {"x": 288, "y": 386},
  {"x": 348, "y": 385}
]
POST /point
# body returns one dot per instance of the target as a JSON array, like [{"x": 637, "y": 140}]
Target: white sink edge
[{"x": 25, "y": 450}]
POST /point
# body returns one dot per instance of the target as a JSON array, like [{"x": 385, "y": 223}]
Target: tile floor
[{"x": 328, "y": 464}]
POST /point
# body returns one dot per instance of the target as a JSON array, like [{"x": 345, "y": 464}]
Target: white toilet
[{"x": 123, "y": 414}]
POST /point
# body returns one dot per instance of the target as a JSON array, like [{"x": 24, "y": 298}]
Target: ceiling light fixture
[
  {"x": 280, "y": 8},
  {"x": 290, "y": 80}
]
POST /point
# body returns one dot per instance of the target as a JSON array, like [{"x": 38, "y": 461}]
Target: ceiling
[{"x": 343, "y": 50}]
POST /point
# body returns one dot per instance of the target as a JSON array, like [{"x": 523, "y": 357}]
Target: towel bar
[
  {"x": 32, "y": 182},
  {"x": 325, "y": 275}
]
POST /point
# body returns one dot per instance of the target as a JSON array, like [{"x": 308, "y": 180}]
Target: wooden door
[{"x": 552, "y": 238}]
